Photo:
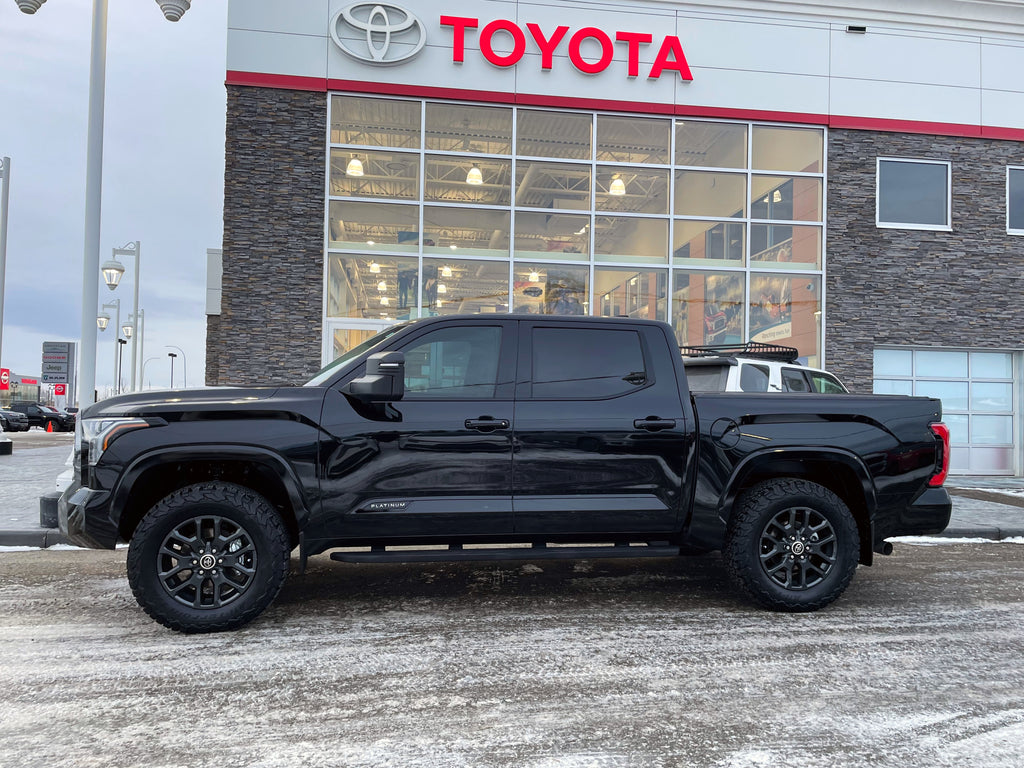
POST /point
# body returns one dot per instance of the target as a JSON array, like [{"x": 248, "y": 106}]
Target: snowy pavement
[{"x": 553, "y": 664}]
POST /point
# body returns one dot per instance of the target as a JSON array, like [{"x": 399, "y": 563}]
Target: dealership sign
[{"x": 380, "y": 33}]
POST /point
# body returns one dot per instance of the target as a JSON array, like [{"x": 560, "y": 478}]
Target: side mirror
[{"x": 384, "y": 381}]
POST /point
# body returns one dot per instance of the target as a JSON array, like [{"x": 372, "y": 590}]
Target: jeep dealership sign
[{"x": 380, "y": 33}]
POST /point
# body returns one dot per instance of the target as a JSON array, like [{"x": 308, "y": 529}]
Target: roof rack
[{"x": 750, "y": 349}]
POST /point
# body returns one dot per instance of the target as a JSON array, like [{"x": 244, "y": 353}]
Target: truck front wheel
[
  {"x": 208, "y": 557},
  {"x": 792, "y": 545}
]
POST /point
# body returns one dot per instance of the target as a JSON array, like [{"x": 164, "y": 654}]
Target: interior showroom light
[
  {"x": 355, "y": 167},
  {"x": 474, "y": 176},
  {"x": 617, "y": 188}
]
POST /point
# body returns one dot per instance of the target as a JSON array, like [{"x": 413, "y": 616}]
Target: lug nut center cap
[
  {"x": 207, "y": 561},
  {"x": 798, "y": 548}
]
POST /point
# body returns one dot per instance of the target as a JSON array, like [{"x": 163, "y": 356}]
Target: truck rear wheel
[
  {"x": 208, "y": 558},
  {"x": 792, "y": 545}
]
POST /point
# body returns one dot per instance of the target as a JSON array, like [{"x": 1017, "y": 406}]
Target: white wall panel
[
  {"x": 565, "y": 80},
  {"x": 268, "y": 52},
  {"x": 754, "y": 46},
  {"x": 906, "y": 58},
  {"x": 1003, "y": 109},
  {"x": 1002, "y": 67},
  {"x": 432, "y": 67},
  {"x": 301, "y": 17},
  {"x": 734, "y": 89},
  {"x": 905, "y": 101}
]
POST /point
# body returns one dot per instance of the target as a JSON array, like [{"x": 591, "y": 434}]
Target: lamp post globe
[
  {"x": 102, "y": 321},
  {"x": 112, "y": 272},
  {"x": 127, "y": 329},
  {"x": 29, "y": 6},
  {"x": 174, "y": 9}
]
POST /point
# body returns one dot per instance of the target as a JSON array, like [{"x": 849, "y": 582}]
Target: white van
[{"x": 754, "y": 367}]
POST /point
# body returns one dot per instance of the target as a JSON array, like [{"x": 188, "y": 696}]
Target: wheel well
[
  {"x": 157, "y": 482},
  {"x": 836, "y": 476}
]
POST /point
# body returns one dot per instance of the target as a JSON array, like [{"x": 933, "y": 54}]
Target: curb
[
  {"x": 32, "y": 537},
  {"x": 980, "y": 532}
]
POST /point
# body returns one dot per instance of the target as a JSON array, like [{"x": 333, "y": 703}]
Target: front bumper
[{"x": 83, "y": 519}]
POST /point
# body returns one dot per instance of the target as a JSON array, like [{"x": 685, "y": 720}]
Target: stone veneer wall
[
  {"x": 270, "y": 327},
  {"x": 907, "y": 287}
]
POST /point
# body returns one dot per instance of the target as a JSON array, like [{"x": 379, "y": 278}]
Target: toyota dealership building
[{"x": 843, "y": 178}]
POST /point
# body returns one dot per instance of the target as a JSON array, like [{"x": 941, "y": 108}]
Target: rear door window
[
  {"x": 586, "y": 363},
  {"x": 753, "y": 378},
  {"x": 793, "y": 380}
]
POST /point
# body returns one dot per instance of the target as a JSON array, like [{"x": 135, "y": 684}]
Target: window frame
[
  {"x": 525, "y": 385},
  {"x": 947, "y": 227},
  {"x": 1010, "y": 230}
]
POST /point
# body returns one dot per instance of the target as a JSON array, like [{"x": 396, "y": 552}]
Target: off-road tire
[
  {"x": 236, "y": 584},
  {"x": 791, "y": 545}
]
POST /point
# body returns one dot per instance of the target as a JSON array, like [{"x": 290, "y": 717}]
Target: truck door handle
[
  {"x": 486, "y": 424},
  {"x": 654, "y": 424}
]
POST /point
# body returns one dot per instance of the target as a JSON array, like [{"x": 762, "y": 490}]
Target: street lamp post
[
  {"x": 142, "y": 377},
  {"x": 102, "y": 321},
  {"x": 172, "y": 356},
  {"x": 172, "y": 10},
  {"x": 184, "y": 363},
  {"x": 120, "y": 349},
  {"x": 112, "y": 272},
  {"x": 5, "y": 197}
]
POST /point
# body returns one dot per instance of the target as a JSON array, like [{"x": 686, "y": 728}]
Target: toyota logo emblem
[{"x": 372, "y": 29}]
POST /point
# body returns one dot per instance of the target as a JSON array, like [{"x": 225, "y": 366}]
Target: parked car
[
  {"x": 13, "y": 421},
  {"x": 44, "y": 416},
  {"x": 498, "y": 437},
  {"x": 754, "y": 367}
]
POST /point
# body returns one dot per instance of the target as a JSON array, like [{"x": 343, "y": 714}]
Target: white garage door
[{"x": 979, "y": 403}]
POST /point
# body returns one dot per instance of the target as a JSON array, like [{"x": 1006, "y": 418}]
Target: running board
[{"x": 535, "y": 552}]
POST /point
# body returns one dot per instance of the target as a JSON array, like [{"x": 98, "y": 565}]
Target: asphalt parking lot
[{"x": 546, "y": 664}]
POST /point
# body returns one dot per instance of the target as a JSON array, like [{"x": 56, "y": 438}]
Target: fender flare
[
  {"x": 751, "y": 463},
  {"x": 218, "y": 451}
]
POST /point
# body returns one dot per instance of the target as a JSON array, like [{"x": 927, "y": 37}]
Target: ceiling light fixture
[
  {"x": 617, "y": 188},
  {"x": 534, "y": 277},
  {"x": 777, "y": 197},
  {"x": 355, "y": 167},
  {"x": 474, "y": 177},
  {"x": 374, "y": 266},
  {"x": 382, "y": 286},
  {"x": 384, "y": 301},
  {"x": 442, "y": 288},
  {"x": 446, "y": 271}
]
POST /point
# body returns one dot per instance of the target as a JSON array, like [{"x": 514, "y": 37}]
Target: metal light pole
[
  {"x": 5, "y": 196},
  {"x": 172, "y": 356},
  {"x": 184, "y": 363},
  {"x": 133, "y": 249},
  {"x": 120, "y": 350},
  {"x": 147, "y": 361},
  {"x": 172, "y": 10},
  {"x": 102, "y": 321}
]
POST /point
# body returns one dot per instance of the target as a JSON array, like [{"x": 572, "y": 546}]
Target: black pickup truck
[{"x": 498, "y": 437}]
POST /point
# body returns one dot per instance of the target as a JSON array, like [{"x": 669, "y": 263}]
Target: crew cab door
[
  {"x": 439, "y": 461},
  {"x": 600, "y": 433}
]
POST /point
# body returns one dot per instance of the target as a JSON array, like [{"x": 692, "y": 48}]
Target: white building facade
[{"x": 846, "y": 179}]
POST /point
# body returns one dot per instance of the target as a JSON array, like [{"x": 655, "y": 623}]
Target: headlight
[{"x": 95, "y": 435}]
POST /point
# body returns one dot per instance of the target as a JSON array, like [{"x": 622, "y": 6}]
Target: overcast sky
[{"x": 163, "y": 175}]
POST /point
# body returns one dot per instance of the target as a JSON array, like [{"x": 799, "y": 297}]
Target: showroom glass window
[
  {"x": 436, "y": 207},
  {"x": 913, "y": 194},
  {"x": 1015, "y": 200}
]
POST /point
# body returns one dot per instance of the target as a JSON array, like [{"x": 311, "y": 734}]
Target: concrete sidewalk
[{"x": 983, "y": 507}]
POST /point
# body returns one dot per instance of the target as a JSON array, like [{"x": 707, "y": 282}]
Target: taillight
[{"x": 942, "y": 433}]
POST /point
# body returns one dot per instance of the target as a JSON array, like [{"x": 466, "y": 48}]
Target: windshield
[{"x": 338, "y": 363}]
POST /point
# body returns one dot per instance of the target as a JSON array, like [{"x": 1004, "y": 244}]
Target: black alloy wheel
[
  {"x": 207, "y": 562},
  {"x": 209, "y": 557},
  {"x": 798, "y": 548},
  {"x": 792, "y": 545}
]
